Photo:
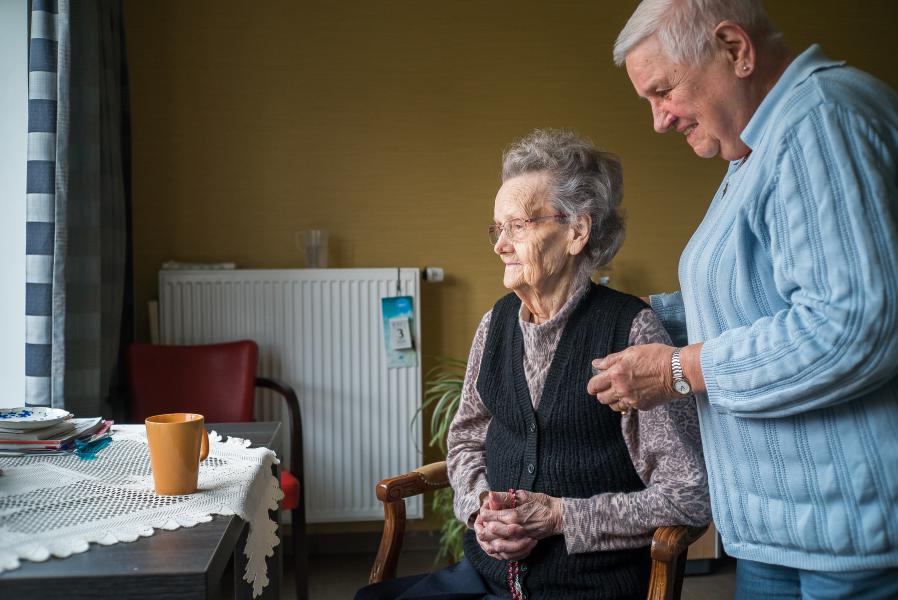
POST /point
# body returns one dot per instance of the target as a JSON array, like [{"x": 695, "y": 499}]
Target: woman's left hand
[
  {"x": 638, "y": 377},
  {"x": 538, "y": 515},
  {"x": 501, "y": 541}
]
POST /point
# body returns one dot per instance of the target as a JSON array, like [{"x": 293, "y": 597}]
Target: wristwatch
[{"x": 680, "y": 385}]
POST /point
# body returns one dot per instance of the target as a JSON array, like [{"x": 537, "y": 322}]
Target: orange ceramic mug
[{"x": 178, "y": 442}]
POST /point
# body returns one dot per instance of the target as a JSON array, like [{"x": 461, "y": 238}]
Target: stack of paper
[{"x": 56, "y": 437}]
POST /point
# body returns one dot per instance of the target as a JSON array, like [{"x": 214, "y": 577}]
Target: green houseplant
[{"x": 442, "y": 394}]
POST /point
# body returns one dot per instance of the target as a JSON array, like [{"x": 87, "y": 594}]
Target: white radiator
[{"x": 319, "y": 330}]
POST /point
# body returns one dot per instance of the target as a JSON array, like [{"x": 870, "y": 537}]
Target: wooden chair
[
  {"x": 219, "y": 381},
  {"x": 669, "y": 544}
]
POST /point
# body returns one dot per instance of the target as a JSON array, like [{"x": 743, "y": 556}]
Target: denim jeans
[{"x": 757, "y": 581}]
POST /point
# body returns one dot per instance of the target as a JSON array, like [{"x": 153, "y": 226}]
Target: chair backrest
[{"x": 214, "y": 380}]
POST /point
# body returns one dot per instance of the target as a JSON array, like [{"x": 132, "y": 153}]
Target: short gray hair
[
  {"x": 685, "y": 28},
  {"x": 584, "y": 181}
]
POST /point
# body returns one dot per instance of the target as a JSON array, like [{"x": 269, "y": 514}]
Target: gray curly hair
[
  {"x": 685, "y": 28},
  {"x": 584, "y": 181}
]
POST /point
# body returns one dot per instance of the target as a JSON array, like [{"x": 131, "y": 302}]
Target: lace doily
[{"x": 58, "y": 505}]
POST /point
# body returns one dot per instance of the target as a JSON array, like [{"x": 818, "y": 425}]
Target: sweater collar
[
  {"x": 805, "y": 64},
  {"x": 578, "y": 289}
]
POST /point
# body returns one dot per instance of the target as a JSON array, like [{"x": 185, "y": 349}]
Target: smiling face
[
  {"x": 546, "y": 256},
  {"x": 703, "y": 103}
]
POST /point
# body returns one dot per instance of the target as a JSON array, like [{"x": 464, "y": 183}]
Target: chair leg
[
  {"x": 661, "y": 581},
  {"x": 390, "y": 543},
  {"x": 678, "y": 575},
  {"x": 300, "y": 552}
]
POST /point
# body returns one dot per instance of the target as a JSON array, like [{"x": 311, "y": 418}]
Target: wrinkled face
[
  {"x": 699, "y": 103},
  {"x": 541, "y": 257}
]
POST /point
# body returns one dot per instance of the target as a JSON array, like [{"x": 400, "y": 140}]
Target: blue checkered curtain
[{"x": 76, "y": 232}]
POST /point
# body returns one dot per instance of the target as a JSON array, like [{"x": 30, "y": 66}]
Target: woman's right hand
[{"x": 499, "y": 540}]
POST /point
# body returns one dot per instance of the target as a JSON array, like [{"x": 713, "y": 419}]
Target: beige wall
[{"x": 384, "y": 122}]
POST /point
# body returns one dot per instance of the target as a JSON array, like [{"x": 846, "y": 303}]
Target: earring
[{"x": 746, "y": 67}]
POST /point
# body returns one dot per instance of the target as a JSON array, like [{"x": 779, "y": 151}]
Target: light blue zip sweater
[{"x": 791, "y": 282}]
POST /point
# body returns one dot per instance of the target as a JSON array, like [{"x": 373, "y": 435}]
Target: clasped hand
[{"x": 508, "y": 529}]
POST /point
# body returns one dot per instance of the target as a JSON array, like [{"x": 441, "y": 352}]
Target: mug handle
[{"x": 204, "y": 444}]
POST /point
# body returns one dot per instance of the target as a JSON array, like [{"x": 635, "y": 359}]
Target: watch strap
[{"x": 676, "y": 369}]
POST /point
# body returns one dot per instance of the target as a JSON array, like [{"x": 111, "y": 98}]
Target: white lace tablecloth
[{"x": 58, "y": 505}]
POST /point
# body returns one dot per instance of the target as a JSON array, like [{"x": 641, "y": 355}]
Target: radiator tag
[{"x": 398, "y": 323}]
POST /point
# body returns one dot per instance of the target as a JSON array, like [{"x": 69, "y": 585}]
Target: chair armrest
[
  {"x": 670, "y": 541},
  {"x": 669, "y": 546},
  {"x": 432, "y": 476},
  {"x": 392, "y": 492},
  {"x": 278, "y": 386}
]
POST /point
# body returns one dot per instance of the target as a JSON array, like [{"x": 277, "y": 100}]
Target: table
[{"x": 184, "y": 563}]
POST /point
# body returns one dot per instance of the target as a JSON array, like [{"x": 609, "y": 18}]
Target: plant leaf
[{"x": 442, "y": 394}]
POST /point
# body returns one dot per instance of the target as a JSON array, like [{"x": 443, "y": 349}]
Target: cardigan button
[
  {"x": 531, "y": 468},
  {"x": 532, "y": 427}
]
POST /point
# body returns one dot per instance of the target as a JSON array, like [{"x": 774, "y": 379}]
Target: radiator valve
[{"x": 433, "y": 274}]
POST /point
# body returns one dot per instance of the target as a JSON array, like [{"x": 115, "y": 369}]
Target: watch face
[{"x": 682, "y": 387}]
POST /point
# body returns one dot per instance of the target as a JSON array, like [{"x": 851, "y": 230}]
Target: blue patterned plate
[{"x": 31, "y": 417}]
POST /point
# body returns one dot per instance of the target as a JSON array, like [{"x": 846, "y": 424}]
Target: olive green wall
[{"x": 384, "y": 123}]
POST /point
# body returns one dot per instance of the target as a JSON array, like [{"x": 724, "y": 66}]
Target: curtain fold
[{"x": 77, "y": 205}]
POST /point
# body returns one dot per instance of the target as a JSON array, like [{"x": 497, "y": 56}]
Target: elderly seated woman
[{"x": 561, "y": 493}]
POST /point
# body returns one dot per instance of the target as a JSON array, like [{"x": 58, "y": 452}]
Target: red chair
[{"x": 219, "y": 381}]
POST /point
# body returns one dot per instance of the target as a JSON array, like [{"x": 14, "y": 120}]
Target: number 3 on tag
[{"x": 400, "y": 333}]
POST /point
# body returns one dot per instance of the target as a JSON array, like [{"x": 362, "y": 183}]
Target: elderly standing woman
[
  {"x": 588, "y": 486},
  {"x": 788, "y": 297}
]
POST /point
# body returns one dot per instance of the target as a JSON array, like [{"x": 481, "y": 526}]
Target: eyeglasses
[{"x": 516, "y": 229}]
